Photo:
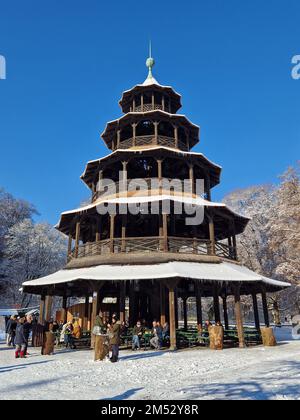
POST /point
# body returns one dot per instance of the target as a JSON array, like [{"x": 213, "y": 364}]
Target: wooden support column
[
  {"x": 86, "y": 313},
  {"x": 70, "y": 245},
  {"x": 124, "y": 224},
  {"x": 134, "y": 133},
  {"x": 171, "y": 284},
  {"x": 132, "y": 305},
  {"x": 118, "y": 139},
  {"x": 48, "y": 307},
  {"x": 265, "y": 308},
  {"x": 212, "y": 236},
  {"x": 216, "y": 304},
  {"x": 185, "y": 317},
  {"x": 165, "y": 232},
  {"x": 77, "y": 239},
  {"x": 225, "y": 311},
  {"x": 96, "y": 303},
  {"x": 162, "y": 304},
  {"x": 153, "y": 101},
  {"x": 176, "y": 136},
  {"x": 122, "y": 286},
  {"x": 208, "y": 192},
  {"x": 198, "y": 291},
  {"x": 64, "y": 309},
  {"x": 163, "y": 102},
  {"x": 142, "y": 102},
  {"x": 239, "y": 316},
  {"x": 112, "y": 232},
  {"x": 42, "y": 310},
  {"x": 191, "y": 175},
  {"x": 133, "y": 105},
  {"x": 155, "y": 132},
  {"x": 255, "y": 311}
]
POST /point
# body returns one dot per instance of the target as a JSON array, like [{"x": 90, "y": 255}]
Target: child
[{"x": 20, "y": 340}]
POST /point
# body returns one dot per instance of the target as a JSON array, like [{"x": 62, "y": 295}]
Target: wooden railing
[
  {"x": 153, "y": 141},
  {"x": 148, "y": 107},
  {"x": 153, "y": 244}
]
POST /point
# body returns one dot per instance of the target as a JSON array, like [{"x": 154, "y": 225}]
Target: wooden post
[
  {"x": 225, "y": 311},
  {"x": 142, "y": 102},
  {"x": 265, "y": 308},
  {"x": 118, "y": 139},
  {"x": 124, "y": 223},
  {"x": 133, "y": 105},
  {"x": 42, "y": 310},
  {"x": 191, "y": 174},
  {"x": 153, "y": 101},
  {"x": 122, "y": 285},
  {"x": 239, "y": 316},
  {"x": 96, "y": 303},
  {"x": 255, "y": 311},
  {"x": 86, "y": 313},
  {"x": 132, "y": 305},
  {"x": 208, "y": 192},
  {"x": 163, "y": 102},
  {"x": 216, "y": 304},
  {"x": 173, "y": 344},
  {"x": 199, "y": 303},
  {"x": 212, "y": 236},
  {"x": 64, "y": 309},
  {"x": 70, "y": 245},
  {"x": 156, "y": 132},
  {"x": 176, "y": 136},
  {"x": 48, "y": 307},
  {"x": 112, "y": 232},
  {"x": 134, "y": 133},
  {"x": 165, "y": 232},
  {"x": 185, "y": 317},
  {"x": 162, "y": 304},
  {"x": 77, "y": 239}
]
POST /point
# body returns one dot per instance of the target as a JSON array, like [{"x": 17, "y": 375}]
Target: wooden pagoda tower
[{"x": 152, "y": 258}]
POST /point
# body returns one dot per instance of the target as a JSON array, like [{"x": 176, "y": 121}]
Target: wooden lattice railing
[
  {"x": 153, "y": 244},
  {"x": 148, "y": 107},
  {"x": 151, "y": 140}
]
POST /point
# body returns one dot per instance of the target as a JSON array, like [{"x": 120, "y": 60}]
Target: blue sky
[{"x": 69, "y": 61}]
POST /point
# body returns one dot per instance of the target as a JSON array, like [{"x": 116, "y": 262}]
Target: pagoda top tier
[
  {"x": 150, "y": 95},
  {"x": 151, "y": 118}
]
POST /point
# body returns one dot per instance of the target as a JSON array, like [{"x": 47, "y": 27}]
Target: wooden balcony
[
  {"x": 152, "y": 140},
  {"x": 155, "y": 244}
]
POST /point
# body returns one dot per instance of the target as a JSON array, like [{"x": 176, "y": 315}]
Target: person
[
  {"x": 76, "y": 329},
  {"x": 156, "y": 339},
  {"x": 137, "y": 334},
  {"x": 27, "y": 330},
  {"x": 20, "y": 339},
  {"x": 124, "y": 328},
  {"x": 11, "y": 330},
  {"x": 114, "y": 338},
  {"x": 68, "y": 335},
  {"x": 101, "y": 338},
  {"x": 207, "y": 325}
]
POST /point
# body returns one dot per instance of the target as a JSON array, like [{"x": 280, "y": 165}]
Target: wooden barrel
[{"x": 216, "y": 338}]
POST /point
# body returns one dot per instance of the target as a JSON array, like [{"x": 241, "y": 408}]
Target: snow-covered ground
[{"x": 253, "y": 373}]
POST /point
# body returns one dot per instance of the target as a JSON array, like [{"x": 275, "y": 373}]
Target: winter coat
[
  {"x": 114, "y": 334},
  {"x": 139, "y": 331},
  {"x": 11, "y": 327},
  {"x": 99, "y": 323},
  {"x": 27, "y": 330},
  {"x": 20, "y": 335}
]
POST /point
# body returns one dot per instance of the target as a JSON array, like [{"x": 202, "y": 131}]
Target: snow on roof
[{"x": 223, "y": 271}]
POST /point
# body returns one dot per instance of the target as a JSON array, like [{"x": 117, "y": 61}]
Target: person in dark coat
[
  {"x": 114, "y": 338},
  {"x": 137, "y": 334},
  {"x": 11, "y": 330},
  {"x": 27, "y": 330},
  {"x": 20, "y": 339}
]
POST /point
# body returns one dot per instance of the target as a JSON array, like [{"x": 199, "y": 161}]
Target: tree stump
[
  {"x": 268, "y": 337},
  {"x": 48, "y": 344},
  {"x": 101, "y": 347},
  {"x": 216, "y": 337}
]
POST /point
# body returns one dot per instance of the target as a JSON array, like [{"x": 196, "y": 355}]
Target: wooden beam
[
  {"x": 112, "y": 232},
  {"x": 64, "y": 309},
  {"x": 162, "y": 304},
  {"x": 42, "y": 310},
  {"x": 255, "y": 311},
  {"x": 77, "y": 239},
  {"x": 225, "y": 311},
  {"x": 124, "y": 225},
  {"x": 173, "y": 343},
  {"x": 122, "y": 294},
  {"x": 48, "y": 307},
  {"x": 239, "y": 316},
  {"x": 70, "y": 244},
  {"x": 191, "y": 175},
  {"x": 216, "y": 304},
  {"x": 86, "y": 313},
  {"x": 198, "y": 291},
  {"x": 265, "y": 308},
  {"x": 212, "y": 236},
  {"x": 165, "y": 232},
  {"x": 185, "y": 317}
]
